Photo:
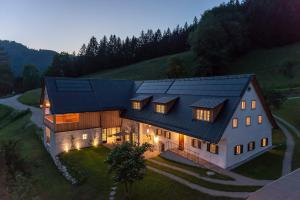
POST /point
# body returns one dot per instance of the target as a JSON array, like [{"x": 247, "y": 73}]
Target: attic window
[
  {"x": 136, "y": 105},
  {"x": 159, "y": 108},
  {"x": 164, "y": 104},
  {"x": 207, "y": 109},
  {"x": 138, "y": 102},
  {"x": 204, "y": 115}
]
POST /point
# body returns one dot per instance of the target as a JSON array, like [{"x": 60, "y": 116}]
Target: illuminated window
[
  {"x": 67, "y": 118},
  {"x": 243, "y": 106},
  {"x": 168, "y": 135},
  {"x": 248, "y": 121},
  {"x": 104, "y": 135},
  {"x": 253, "y": 104},
  {"x": 260, "y": 119},
  {"x": 238, "y": 149},
  {"x": 199, "y": 144},
  {"x": 111, "y": 131},
  {"x": 159, "y": 108},
  {"x": 251, "y": 146},
  {"x": 48, "y": 135},
  {"x": 234, "y": 122},
  {"x": 136, "y": 105},
  {"x": 84, "y": 136},
  {"x": 204, "y": 115},
  {"x": 212, "y": 148},
  {"x": 264, "y": 142}
]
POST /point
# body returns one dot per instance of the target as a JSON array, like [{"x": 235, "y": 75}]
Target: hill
[
  {"x": 6, "y": 76},
  {"x": 269, "y": 65},
  {"x": 20, "y": 55}
]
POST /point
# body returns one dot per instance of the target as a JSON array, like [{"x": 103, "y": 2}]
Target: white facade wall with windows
[{"x": 243, "y": 134}]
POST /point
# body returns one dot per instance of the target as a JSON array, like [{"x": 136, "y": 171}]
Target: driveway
[{"x": 13, "y": 102}]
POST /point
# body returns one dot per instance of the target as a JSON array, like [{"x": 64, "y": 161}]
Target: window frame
[
  {"x": 248, "y": 117},
  {"x": 160, "y": 108},
  {"x": 136, "y": 105},
  {"x": 258, "y": 119},
  {"x": 243, "y": 105},
  {"x": 241, "y": 149},
  {"x": 84, "y": 136},
  {"x": 255, "y": 105},
  {"x": 237, "y": 122},
  {"x": 202, "y": 114},
  {"x": 216, "y": 149},
  {"x": 262, "y": 140},
  {"x": 253, "y": 146}
]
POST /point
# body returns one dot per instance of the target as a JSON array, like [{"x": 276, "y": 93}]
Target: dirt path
[
  {"x": 292, "y": 127},
  {"x": 13, "y": 102}
]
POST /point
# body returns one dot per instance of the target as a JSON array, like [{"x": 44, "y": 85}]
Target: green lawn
[
  {"x": 31, "y": 97},
  {"x": 204, "y": 183},
  {"x": 199, "y": 170},
  {"x": 290, "y": 111},
  {"x": 267, "y": 165}
]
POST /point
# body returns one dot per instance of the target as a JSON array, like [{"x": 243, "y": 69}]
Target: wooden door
[{"x": 181, "y": 142}]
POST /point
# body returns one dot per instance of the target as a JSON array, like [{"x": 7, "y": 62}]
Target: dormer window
[
  {"x": 139, "y": 102},
  {"x": 207, "y": 109},
  {"x": 204, "y": 115},
  {"x": 136, "y": 105},
  {"x": 164, "y": 104},
  {"x": 160, "y": 108}
]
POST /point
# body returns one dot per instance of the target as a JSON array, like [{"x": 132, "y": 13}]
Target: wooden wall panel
[{"x": 110, "y": 119}]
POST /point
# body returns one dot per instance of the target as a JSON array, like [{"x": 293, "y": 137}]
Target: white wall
[{"x": 245, "y": 134}]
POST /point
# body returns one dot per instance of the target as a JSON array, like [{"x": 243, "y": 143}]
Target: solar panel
[
  {"x": 73, "y": 85},
  {"x": 155, "y": 87}
]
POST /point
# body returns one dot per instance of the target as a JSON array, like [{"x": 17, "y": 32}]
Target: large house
[{"x": 223, "y": 120}]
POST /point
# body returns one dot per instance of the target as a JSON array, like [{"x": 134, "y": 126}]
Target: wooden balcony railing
[{"x": 186, "y": 153}]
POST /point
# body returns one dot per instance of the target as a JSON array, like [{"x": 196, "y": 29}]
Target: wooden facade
[{"x": 88, "y": 120}]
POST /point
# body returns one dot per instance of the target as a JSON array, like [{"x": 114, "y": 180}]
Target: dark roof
[
  {"x": 141, "y": 97},
  {"x": 165, "y": 99},
  {"x": 83, "y": 95},
  {"x": 208, "y": 102},
  {"x": 87, "y": 95}
]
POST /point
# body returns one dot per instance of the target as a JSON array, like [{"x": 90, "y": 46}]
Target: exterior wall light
[
  {"x": 77, "y": 146},
  {"x": 95, "y": 143},
  {"x": 148, "y": 130},
  {"x": 156, "y": 139},
  {"x": 66, "y": 148}
]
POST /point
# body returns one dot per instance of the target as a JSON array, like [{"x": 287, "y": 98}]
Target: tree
[
  {"x": 274, "y": 99},
  {"x": 31, "y": 77},
  {"x": 220, "y": 36},
  {"x": 82, "y": 50},
  {"x": 175, "y": 68},
  {"x": 127, "y": 163}
]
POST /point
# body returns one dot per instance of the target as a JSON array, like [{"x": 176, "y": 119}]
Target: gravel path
[
  {"x": 13, "y": 102},
  {"x": 292, "y": 127},
  {"x": 200, "y": 188}
]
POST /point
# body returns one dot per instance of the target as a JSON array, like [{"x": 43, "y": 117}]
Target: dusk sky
[{"x": 64, "y": 25}]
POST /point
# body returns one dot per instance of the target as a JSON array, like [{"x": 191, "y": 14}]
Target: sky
[{"x": 64, "y": 25}]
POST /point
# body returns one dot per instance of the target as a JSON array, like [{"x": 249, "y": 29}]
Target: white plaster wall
[
  {"x": 216, "y": 159},
  {"x": 62, "y": 140},
  {"x": 245, "y": 134}
]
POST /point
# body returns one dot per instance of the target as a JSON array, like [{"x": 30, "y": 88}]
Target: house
[{"x": 223, "y": 120}]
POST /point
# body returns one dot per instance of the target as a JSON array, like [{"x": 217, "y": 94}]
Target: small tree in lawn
[{"x": 128, "y": 164}]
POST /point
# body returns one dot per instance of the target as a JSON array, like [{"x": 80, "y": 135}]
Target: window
[
  {"x": 194, "y": 143},
  {"x": 212, "y": 148},
  {"x": 260, "y": 119},
  {"x": 67, "y": 118},
  {"x": 251, "y": 146},
  {"x": 234, "y": 122},
  {"x": 199, "y": 144},
  {"x": 264, "y": 142},
  {"x": 158, "y": 132},
  {"x": 204, "y": 115},
  {"x": 243, "y": 106},
  {"x": 111, "y": 131},
  {"x": 238, "y": 149},
  {"x": 159, "y": 108},
  {"x": 104, "y": 136},
  {"x": 253, "y": 104},
  {"x": 168, "y": 134},
  {"x": 84, "y": 136},
  {"x": 248, "y": 121},
  {"x": 136, "y": 105}
]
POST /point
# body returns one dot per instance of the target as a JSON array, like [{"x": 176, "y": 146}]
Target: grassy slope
[
  {"x": 31, "y": 97},
  {"x": 265, "y": 63},
  {"x": 267, "y": 165},
  {"x": 290, "y": 111}
]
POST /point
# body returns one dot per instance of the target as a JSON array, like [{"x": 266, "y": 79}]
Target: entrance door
[{"x": 181, "y": 142}]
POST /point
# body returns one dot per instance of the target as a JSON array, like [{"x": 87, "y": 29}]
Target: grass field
[
  {"x": 266, "y": 63},
  {"x": 31, "y": 97},
  {"x": 290, "y": 111},
  {"x": 268, "y": 165}
]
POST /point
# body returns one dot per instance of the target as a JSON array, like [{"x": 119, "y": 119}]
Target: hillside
[
  {"x": 268, "y": 64},
  {"x": 19, "y": 55}
]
